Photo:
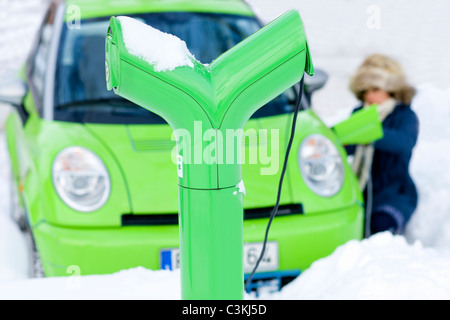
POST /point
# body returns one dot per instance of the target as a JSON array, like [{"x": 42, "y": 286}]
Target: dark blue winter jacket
[{"x": 392, "y": 184}]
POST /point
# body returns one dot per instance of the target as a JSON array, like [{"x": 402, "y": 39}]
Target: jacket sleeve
[
  {"x": 351, "y": 148},
  {"x": 401, "y": 139}
]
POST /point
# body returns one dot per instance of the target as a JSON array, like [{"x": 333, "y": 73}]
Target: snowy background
[{"x": 340, "y": 33}]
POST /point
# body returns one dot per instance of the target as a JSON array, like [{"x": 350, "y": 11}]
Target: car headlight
[
  {"x": 81, "y": 179},
  {"x": 321, "y": 165}
]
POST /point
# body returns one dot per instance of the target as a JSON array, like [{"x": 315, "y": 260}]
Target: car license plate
[
  {"x": 170, "y": 258},
  {"x": 252, "y": 252}
]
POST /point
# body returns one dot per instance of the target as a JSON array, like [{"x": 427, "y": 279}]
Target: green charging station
[{"x": 212, "y": 99}]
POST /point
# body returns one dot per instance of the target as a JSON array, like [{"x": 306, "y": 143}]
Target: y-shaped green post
[{"x": 207, "y": 101}]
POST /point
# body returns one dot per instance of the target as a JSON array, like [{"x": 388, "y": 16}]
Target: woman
[{"x": 380, "y": 80}]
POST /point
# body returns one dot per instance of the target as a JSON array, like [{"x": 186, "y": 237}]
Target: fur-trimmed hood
[{"x": 381, "y": 72}]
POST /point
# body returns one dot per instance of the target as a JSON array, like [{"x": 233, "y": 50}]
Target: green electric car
[{"x": 94, "y": 179}]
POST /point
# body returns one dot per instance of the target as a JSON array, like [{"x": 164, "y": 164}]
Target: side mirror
[
  {"x": 12, "y": 89},
  {"x": 315, "y": 82},
  {"x": 362, "y": 127}
]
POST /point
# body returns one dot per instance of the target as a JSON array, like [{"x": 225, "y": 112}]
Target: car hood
[{"x": 145, "y": 154}]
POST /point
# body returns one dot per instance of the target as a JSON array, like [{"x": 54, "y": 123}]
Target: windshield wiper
[{"x": 111, "y": 102}]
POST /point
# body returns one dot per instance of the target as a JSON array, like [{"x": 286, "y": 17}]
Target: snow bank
[
  {"x": 162, "y": 50},
  {"x": 135, "y": 284},
  {"x": 383, "y": 266},
  {"x": 18, "y": 21},
  {"x": 430, "y": 168}
]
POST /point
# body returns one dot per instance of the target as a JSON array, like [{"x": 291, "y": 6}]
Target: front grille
[
  {"x": 283, "y": 210},
  {"x": 149, "y": 219},
  {"x": 172, "y": 218}
]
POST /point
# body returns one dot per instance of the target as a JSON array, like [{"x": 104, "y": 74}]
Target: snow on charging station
[{"x": 156, "y": 71}]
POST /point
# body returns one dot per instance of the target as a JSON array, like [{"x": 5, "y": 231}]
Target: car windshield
[{"x": 80, "y": 85}]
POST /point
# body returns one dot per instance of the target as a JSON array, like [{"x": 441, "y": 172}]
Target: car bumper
[{"x": 302, "y": 239}]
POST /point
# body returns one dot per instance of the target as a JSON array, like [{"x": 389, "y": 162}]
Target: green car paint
[
  {"x": 86, "y": 9},
  {"x": 138, "y": 159}
]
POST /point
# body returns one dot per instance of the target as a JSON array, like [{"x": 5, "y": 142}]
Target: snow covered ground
[{"x": 341, "y": 33}]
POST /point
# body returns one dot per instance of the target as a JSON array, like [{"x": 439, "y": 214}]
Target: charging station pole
[{"x": 209, "y": 100}]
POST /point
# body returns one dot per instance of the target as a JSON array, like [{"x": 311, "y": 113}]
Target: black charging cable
[{"x": 275, "y": 209}]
